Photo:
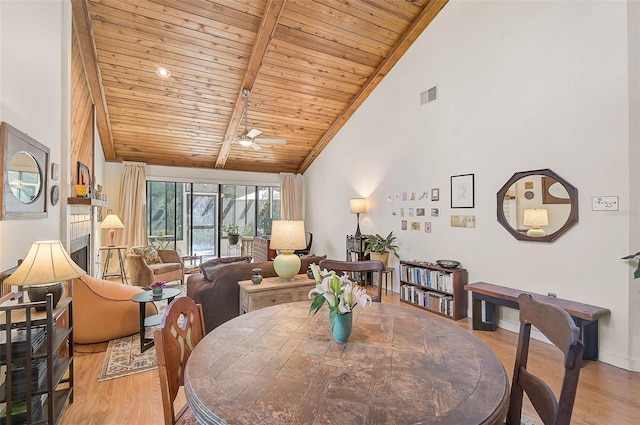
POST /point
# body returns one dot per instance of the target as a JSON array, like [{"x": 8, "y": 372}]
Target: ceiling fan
[{"x": 248, "y": 137}]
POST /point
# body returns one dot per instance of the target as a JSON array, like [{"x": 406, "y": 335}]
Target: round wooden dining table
[{"x": 400, "y": 366}]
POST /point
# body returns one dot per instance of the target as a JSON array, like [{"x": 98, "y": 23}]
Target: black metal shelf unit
[{"x": 36, "y": 359}]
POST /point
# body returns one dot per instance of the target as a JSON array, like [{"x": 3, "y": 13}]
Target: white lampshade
[
  {"x": 357, "y": 205},
  {"x": 46, "y": 262},
  {"x": 287, "y": 236},
  {"x": 536, "y": 217},
  {"x": 112, "y": 221}
]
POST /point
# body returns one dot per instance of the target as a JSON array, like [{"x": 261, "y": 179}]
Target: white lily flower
[
  {"x": 361, "y": 297},
  {"x": 343, "y": 307}
]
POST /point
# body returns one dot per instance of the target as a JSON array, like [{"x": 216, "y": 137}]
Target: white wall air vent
[{"x": 429, "y": 95}]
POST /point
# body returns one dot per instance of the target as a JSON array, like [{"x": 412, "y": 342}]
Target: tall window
[
  {"x": 189, "y": 216},
  {"x": 165, "y": 213}
]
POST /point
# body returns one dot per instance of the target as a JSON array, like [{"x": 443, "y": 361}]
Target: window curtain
[
  {"x": 291, "y": 196},
  {"x": 133, "y": 203}
]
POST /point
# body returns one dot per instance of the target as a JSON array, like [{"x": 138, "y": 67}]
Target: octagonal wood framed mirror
[{"x": 537, "y": 205}]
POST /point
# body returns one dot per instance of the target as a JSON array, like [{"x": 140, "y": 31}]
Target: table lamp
[
  {"x": 286, "y": 237},
  {"x": 536, "y": 218},
  {"x": 357, "y": 206},
  {"x": 43, "y": 269},
  {"x": 112, "y": 222}
]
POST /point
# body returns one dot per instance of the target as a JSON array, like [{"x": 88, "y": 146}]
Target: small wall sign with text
[{"x": 604, "y": 203}]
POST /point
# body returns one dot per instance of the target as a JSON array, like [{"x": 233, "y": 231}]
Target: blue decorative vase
[
  {"x": 342, "y": 327},
  {"x": 157, "y": 291}
]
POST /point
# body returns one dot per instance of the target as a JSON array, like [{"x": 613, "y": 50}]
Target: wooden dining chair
[
  {"x": 369, "y": 266},
  {"x": 558, "y": 326},
  {"x": 181, "y": 329}
]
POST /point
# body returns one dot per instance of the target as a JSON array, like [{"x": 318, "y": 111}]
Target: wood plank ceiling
[{"x": 308, "y": 65}]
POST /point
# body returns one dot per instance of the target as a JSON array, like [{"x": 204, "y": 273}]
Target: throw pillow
[
  {"x": 149, "y": 253},
  {"x": 209, "y": 267}
]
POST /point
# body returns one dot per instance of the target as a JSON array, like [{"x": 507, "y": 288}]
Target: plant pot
[
  {"x": 233, "y": 239},
  {"x": 157, "y": 291},
  {"x": 382, "y": 257}
]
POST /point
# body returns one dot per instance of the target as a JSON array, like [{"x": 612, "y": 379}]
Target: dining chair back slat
[
  {"x": 181, "y": 329},
  {"x": 558, "y": 326}
]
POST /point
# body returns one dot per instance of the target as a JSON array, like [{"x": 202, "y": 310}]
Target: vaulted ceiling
[{"x": 307, "y": 66}]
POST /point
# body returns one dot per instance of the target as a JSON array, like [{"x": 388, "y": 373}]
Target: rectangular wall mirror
[{"x": 25, "y": 163}]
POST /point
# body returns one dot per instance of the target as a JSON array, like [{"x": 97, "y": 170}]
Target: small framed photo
[
  {"x": 435, "y": 194},
  {"x": 435, "y": 212},
  {"x": 415, "y": 225},
  {"x": 55, "y": 171},
  {"x": 419, "y": 212},
  {"x": 427, "y": 227},
  {"x": 462, "y": 189},
  {"x": 403, "y": 224}
]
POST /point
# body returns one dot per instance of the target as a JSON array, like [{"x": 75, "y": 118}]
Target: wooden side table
[
  {"x": 105, "y": 271},
  {"x": 273, "y": 291}
]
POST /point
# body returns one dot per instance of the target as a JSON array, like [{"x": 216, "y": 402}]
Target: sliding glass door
[{"x": 189, "y": 217}]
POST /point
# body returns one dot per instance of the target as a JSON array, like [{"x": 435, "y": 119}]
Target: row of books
[
  {"x": 427, "y": 278},
  {"x": 432, "y": 300}
]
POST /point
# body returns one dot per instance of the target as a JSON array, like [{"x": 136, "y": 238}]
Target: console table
[
  {"x": 273, "y": 291},
  {"x": 277, "y": 365},
  {"x": 584, "y": 315}
]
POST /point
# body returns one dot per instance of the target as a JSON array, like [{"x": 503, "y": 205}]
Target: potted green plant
[
  {"x": 233, "y": 233},
  {"x": 379, "y": 247},
  {"x": 636, "y": 256}
]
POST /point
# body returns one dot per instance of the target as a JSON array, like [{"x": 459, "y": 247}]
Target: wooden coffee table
[
  {"x": 274, "y": 291},
  {"x": 277, "y": 365}
]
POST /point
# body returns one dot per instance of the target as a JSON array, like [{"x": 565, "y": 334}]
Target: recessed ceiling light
[{"x": 163, "y": 72}]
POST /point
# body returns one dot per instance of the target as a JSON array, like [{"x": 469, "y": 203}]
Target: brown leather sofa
[
  {"x": 220, "y": 297},
  {"x": 103, "y": 310},
  {"x": 167, "y": 267}
]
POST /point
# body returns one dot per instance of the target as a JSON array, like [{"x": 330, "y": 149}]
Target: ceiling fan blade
[
  {"x": 255, "y": 146},
  {"x": 276, "y": 141},
  {"x": 254, "y": 132}
]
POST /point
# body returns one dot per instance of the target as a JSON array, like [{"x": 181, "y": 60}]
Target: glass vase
[
  {"x": 342, "y": 327},
  {"x": 157, "y": 291}
]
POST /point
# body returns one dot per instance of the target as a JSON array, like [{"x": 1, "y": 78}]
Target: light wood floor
[{"x": 606, "y": 395}]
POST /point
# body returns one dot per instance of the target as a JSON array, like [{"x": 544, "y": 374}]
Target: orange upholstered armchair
[{"x": 103, "y": 310}]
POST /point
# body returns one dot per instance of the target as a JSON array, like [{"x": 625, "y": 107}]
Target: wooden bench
[{"x": 586, "y": 316}]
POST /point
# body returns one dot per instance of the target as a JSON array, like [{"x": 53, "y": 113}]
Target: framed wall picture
[
  {"x": 462, "y": 191},
  {"x": 84, "y": 174},
  {"x": 55, "y": 171},
  {"x": 435, "y": 194}
]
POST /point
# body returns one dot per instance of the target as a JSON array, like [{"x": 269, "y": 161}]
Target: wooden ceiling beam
[
  {"x": 268, "y": 25},
  {"x": 422, "y": 21},
  {"x": 87, "y": 49}
]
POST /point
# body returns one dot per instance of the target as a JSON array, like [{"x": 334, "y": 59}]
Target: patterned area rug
[
  {"x": 527, "y": 421},
  {"x": 123, "y": 357}
]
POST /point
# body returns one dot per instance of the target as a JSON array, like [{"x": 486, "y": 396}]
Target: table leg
[
  {"x": 489, "y": 309},
  {"x": 122, "y": 271},
  {"x": 106, "y": 264},
  {"x": 143, "y": 309}
]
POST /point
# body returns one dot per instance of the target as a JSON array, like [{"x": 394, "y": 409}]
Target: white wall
[
  {"x": 113, "y": 176},
  {"x": 34, "y": 50},
  {"x": 522, "y": 86}
]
